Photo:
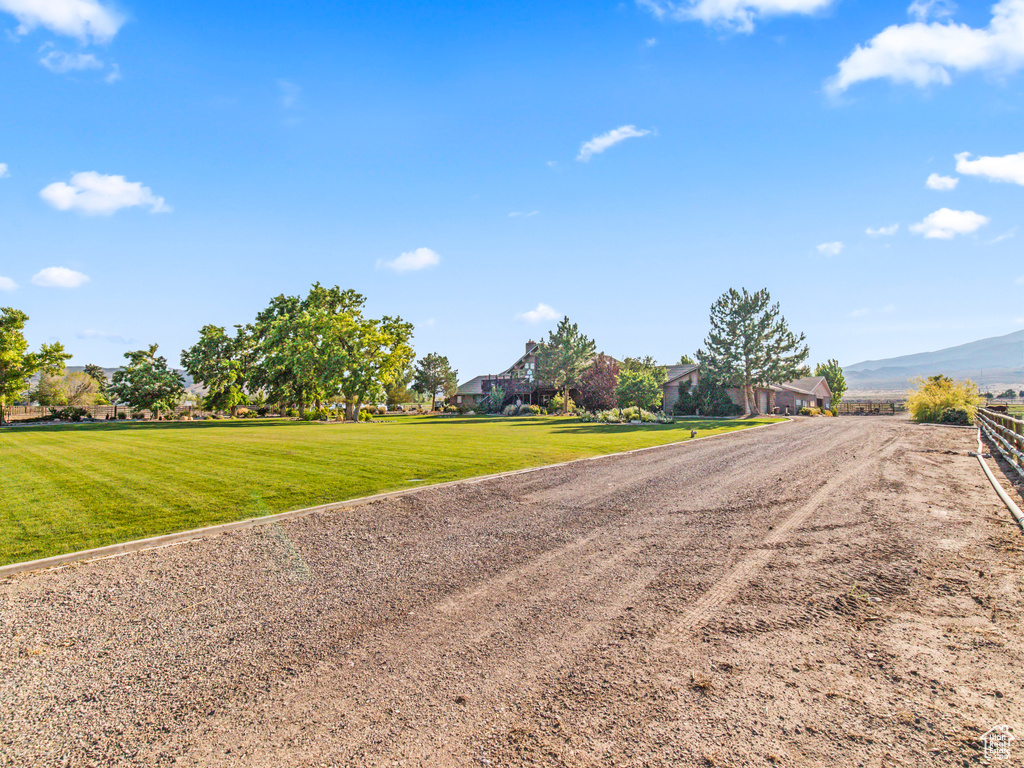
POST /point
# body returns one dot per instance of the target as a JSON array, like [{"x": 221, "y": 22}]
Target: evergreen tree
[
  {"x": 562, "y": 359},
  {"x": 750, "y": 344},
  {"x": 434, "y": 376}
]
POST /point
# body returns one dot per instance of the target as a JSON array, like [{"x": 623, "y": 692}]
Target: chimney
[{"x": 530, "y": 345}]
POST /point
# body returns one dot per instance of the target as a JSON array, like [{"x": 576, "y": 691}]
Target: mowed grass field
[{"x": 74, "y": 487}]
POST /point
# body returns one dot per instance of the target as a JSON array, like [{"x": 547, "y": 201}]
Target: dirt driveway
[{"x": 837, "y": 592}]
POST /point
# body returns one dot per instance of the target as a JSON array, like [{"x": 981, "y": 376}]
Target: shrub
[
  {"x": 558, "y": 401},
  {"x": 122, "y": 416},
  {"x": 955, "y": 416},
  {"x": 381, "y": 410},
  {"x": 292, "y": 412},
  {"x": 535, "y": 410},
  {"x": 242, "y": 412},
  {"x": 262, "y": 410},
  {"x": 938, "y": 394},
  {"x": 709, "y": 398},
  {"x": 807, "y": 411},
  {"x": 365, "y": 415},
  {"x": 510, "y": 410},
  {"x": 68, "y": 414}
]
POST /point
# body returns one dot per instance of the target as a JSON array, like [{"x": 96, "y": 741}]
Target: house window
[{"x": 458, "y": 398}]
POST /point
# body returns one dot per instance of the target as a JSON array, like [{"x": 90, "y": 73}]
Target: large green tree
[
  {"x": 17, "y": 364},
  {"x": 323, "y": 346},
  {"x": 750, "y": 344},
  {"x": 147, "y": 383},
  {"x": 434, "y": 376},
  {"x": 221, "y": 363},
  {"x": 74, "y": 388},
  {"x": 833, "y": 373},
  {"x": 562, "y": 359},
  {"x": 640, "y": 383}
]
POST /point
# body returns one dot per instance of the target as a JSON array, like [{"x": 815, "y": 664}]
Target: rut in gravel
[{"x": 790, "y": 594}]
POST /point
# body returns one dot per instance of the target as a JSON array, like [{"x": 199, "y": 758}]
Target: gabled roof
[
  {"x": 808, "y": 384},
  {"x": 531, "y": 351},
  {"x": 673, "y": 372},
  {"x": 471, "y": 387}
]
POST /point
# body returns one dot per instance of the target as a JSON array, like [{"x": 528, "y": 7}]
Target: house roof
[
  {"x": 808, "y": 384},
  {"x": 673, "y": 372},
  {"x": 471, "y": 387},
  {"x": 531, "y": 351}
]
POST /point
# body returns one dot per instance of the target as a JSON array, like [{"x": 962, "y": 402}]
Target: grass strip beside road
[{"x": 75, "y": 487}]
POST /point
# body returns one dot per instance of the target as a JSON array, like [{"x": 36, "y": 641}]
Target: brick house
[{"x": 811, "y": 391}]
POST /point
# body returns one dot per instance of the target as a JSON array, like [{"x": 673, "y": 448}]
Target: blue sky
[{"x": 166, "y": 166}]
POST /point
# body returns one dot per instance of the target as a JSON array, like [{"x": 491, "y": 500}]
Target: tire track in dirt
[{"x": 730, "y": 584}]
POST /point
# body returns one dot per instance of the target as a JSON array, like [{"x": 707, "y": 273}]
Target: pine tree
[
  {"x": 750, "y": 344},
  {"x": 562, "y": 359}
]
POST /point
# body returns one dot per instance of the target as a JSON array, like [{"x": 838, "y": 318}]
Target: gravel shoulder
[{"x": 825, "y": 592}]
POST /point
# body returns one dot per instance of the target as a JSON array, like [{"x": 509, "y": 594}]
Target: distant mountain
[
  {"x": 190, "y": 386},
  {"x": 996, "y": 364}
]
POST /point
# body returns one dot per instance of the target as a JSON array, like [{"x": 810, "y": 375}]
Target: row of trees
[{"x": 749, "y": 345}]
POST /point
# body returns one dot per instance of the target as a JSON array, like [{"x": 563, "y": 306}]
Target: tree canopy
[
  {"x": 750, "y": 344},
  {"x": 562, "y": 359},
  {"x": 833, "y": 373},
  {"x": 597, "y": 384},
  {"x": 17, "y": 364},
  {"x": 434, "y": 376},
  {"x": 146, "y": 383},
  {"x": 220, "y": 363}
]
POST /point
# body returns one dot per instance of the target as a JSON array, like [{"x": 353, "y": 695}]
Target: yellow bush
[{"x": 937, "y": 393}]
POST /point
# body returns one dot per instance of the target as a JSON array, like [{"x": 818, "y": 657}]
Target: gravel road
[{"x": 825, "y": 592}]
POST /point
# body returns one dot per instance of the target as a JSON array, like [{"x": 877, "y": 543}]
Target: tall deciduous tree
[
  {"x": 597, "y": 384},
  {"x": 685, "y": 359},
  {"x": 73, "y": 388},
  {"x": 833, "y": 373},
  {"x": 750, "y": 344},
  {"x": 434, "y": 376},
  {"x": 562, "y": 359},
  {"x": 221, "y": 364},
  {"x": 146, "y": 383},
  {"x": 323, "y": 346},
  {"x": 17, "y": 364}
]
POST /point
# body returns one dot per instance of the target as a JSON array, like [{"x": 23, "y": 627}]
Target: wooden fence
[
  {"x": 879, "y": 408},
  {"x": 100, "y": 412},
  {"x": 1006, "y": 433}
]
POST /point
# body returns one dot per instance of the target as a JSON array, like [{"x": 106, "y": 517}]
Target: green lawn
[{"x": 75, "y": 487}]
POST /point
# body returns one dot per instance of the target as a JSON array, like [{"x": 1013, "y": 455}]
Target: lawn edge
[{"x": 181, "y": 537}]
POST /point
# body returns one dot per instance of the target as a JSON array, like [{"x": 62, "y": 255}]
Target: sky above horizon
[{"x": 482, "y": 169}]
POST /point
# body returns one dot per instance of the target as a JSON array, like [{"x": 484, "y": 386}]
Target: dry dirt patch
[{"x": 828, "y": 592}]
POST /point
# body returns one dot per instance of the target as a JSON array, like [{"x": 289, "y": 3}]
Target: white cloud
[
  {"x": 517, "y": 214},
  {"x": 59, "y": 277},
  {"x": 111, "y": 337},
  {"x": 84, "y": 19},
  {"x": 61, "y": 62},
  {"x": 892, "y": 229},
  {"x": 1005, "y": 236},
  {"x": 6, "y": 284},
  {"x": 4, "y": 171},
  {"x": 99, "y": 194},
  {"x": 922, "y": 10},
  {"x": 1009, "y": 168},
  {"x": 650, "y": 42},
  {"x": 599, "y": 144},
  {"x": 113, "y": 75},
  {"x": 888, "y": 309},
  {"x": 941, "y": 183},
  {"x": 924, "y": 53},
  {"x": 542, "y": 312},
  {"x": 945, "y": 224},
  {"x": 738, "y": 15},
  {"x": 860, "y": 312},
  {"x": 830, "y": 249},
  {"x": 1019, "y": 280},
  {"x": 412, "y": 261}
]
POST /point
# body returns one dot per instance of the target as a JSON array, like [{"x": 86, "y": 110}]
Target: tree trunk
[
  {"x": 433, "y": 402},
  {"x": 746, "y": 399}
]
